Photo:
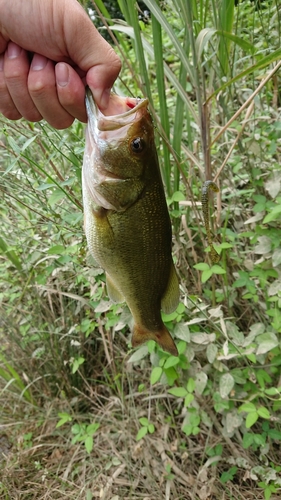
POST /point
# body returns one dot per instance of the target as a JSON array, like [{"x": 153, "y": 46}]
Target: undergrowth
[{"x": 84, "y": 416}]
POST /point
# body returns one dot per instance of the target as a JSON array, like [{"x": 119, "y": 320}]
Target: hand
[{"x": 49, "y": 50}]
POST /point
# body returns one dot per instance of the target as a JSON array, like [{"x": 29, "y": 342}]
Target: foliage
[{"x": 210, "y": 75}]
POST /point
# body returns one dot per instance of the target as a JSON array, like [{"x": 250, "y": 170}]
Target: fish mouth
[{"x": 128, "y": 106}]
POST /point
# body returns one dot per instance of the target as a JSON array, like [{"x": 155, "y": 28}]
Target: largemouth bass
[{"x": 126, "y": 219}]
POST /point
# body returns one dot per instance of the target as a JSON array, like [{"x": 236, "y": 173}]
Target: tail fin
[{"x": 162, "y": 337}]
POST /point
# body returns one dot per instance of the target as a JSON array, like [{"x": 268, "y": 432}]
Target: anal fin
[
  {"x": 112, "y": 291},
  {"x": 170, "y": 299}
]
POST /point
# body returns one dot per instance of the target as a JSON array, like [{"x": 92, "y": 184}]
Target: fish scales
[{"x": 127, "y": 223}]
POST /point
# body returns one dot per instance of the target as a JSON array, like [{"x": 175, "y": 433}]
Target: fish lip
[{"x": 98, "y": 121}]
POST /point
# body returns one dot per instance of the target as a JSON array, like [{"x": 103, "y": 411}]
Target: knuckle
[
  {"x": 13, "y": 75},
  {"x": 37, "y": 88},
  {"x": 69, "y": 99},
  {"x": 115, "y": 61}
]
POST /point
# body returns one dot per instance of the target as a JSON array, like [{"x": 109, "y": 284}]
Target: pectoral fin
[
  {"x": 162, "y": 337},
  {"x": 118, "y": 194},
  {"x": 112, "y": 291},
  {"x": 170, "y": 299}
]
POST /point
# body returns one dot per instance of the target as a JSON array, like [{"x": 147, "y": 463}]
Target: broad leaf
[
  {"x": 226, "y": 384},
  {"x": 266, "y": 342},
  {"x": 155, "y": 374}
]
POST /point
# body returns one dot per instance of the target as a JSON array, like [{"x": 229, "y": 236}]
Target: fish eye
[{"x": 137, "y": 145}]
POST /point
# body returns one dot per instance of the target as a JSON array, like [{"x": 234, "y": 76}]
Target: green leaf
[
  {"x": 76, "y": 429},
  {"x": 55, "y": 197},
  {"x": 228, "y": 475},
  {"x": 206, "y": 275},
  {"x": 171, "y": 375},
  {"x": 247, "y": 407},
  {"x": 188, "y": 399},
  {"x": 223, "y": 246},
  {"x": 268, "y": 492},
  {"x": 272, "y": 391},
  {"x": 190, "y": 386},
  {"x": 64, "y": 418},
  {"x": 178, "y": 196},
  {"x": 56, "y": 249},
  {"x": 89, "y": 442},
  {"x": 187, "y": 429},
  {"x": 263, "y": 412},
  {"x": 76, "y": 364},
  {"x": 142, "y": 432},
  {"x": 274, "y": 434},
  {"x": 151, "y": 428},
  {"x": 171, "y": 361},
  {"x": 169, "y": 317},
  {"x": 92, "y": 428},
  {"x": 273, "y": 214},
  {"x": 251, "y": 419},
  {"x": 202, "y": 266},
  {"x": 216, "y": 269},
  {"x": 144, "y": 421},
  {"x": 248, "y": 440},
  {"x": 179, "y": 392},
  {"x": 155, "y": 374},
  {"x": 181, "y": 308}
]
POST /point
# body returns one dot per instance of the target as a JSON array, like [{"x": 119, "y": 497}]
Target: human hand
[{"x": 49, "y": 50}]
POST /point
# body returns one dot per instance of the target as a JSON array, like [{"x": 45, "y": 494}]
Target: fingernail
[
  {"x": 38, "y": 62},
  {"x": 1, "y": 63},
  {"x": 104, "y": 100},
  {"x": 13, "y": 50},
  {"x": 62, "y": 74}
]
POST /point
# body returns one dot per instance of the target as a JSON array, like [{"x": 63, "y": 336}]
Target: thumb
[
  {"x": 88, "y": 49},
  {"x": 102, "y": 76}
]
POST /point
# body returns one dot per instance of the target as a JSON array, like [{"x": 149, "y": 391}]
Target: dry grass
[{"x": 164, "y": 465}]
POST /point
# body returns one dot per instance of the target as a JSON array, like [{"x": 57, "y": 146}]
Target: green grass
[{"x": 75, "y": 399}]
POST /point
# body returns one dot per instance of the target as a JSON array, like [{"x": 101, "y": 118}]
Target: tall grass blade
[
  {"x": 131, "y": 16},
  {"x": 178, "y": 121},
  {"x": 226, "y": 18},
  {"x": 263, "y": 63},
  {"x": 167, "y": 70},
  {"x": 156, "y": 11},
  {"x": 10, "y": 373},
  {"x": 164, "y": 117},
  {"x": 10, "y": 254}
]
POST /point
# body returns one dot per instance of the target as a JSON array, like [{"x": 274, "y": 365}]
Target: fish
[{"x": 126, "y": 219}]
